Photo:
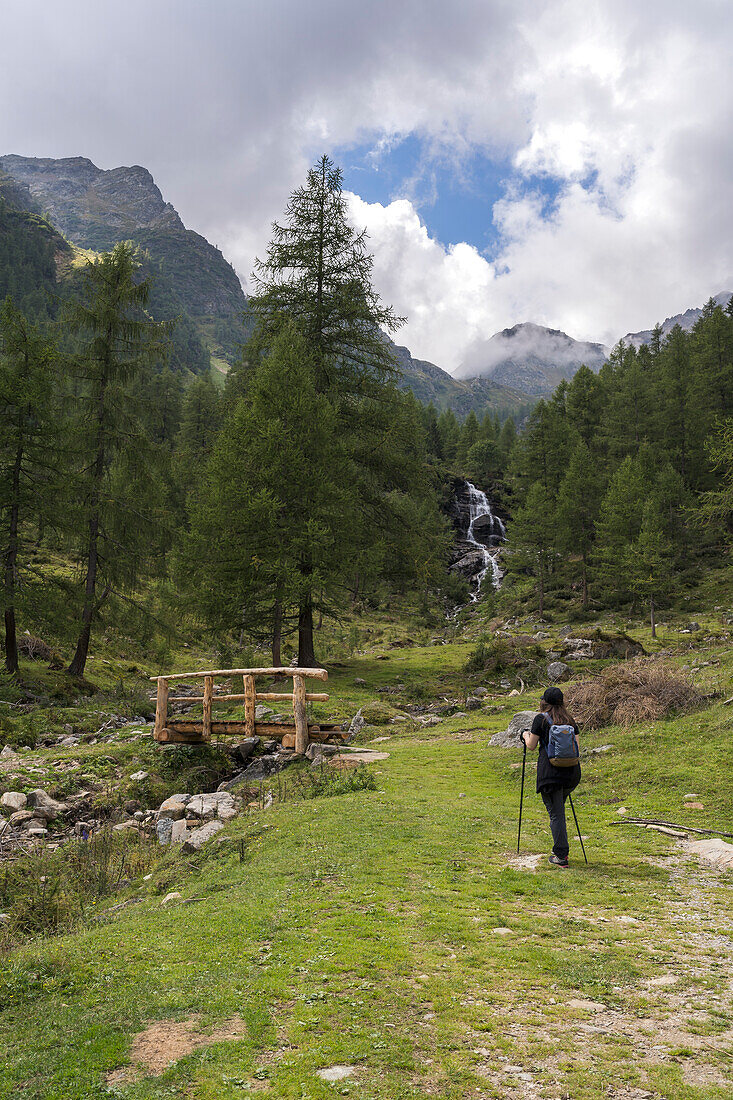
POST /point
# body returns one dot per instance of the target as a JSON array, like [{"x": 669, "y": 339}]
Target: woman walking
[{"x": 555, "y": 783}]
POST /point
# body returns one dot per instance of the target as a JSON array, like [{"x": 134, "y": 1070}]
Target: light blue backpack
[{"x": 562, "y": 747}]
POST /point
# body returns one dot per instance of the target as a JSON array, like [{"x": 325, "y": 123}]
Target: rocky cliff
[{"x": 94, "y": 209}]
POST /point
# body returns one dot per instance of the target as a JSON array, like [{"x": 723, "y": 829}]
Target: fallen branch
[{"x": 671, "y": 825}]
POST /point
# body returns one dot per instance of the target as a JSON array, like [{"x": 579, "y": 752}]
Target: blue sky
[{"x": 453, "y": 194}]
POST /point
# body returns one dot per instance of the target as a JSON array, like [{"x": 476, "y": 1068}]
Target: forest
[{"x": 135, "y": 488}]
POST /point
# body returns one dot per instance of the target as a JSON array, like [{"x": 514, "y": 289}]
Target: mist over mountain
[
  {"x": 530, "y": 358},
  {"x": 685, "y": 320}
]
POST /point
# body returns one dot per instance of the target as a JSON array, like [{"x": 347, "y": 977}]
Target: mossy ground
[{"x": 389, "y": 931}]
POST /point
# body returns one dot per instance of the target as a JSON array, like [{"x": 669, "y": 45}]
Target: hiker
[{"x": 555, "y": 783}]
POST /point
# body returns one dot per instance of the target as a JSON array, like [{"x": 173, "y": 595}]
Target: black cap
[{"x": 554, "y": 696}]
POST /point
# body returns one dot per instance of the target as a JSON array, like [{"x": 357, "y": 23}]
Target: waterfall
[{"x": 478, "y": 508}]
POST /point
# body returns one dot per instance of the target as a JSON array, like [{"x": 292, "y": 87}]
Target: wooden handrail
[
  {"x": 299, "y": 698},
  {"x": 308, "y": 673}
]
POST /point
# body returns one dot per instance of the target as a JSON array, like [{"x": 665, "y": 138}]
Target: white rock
[
  {"x": 198, "y": 837},
  {"x": 713, "y": 851},
  {"x": 172, "y": 808},
  {"x": 215, "y": 804},
  {"x": 173, "y": 896},
  {"x": 336, "y": 1073},
  {"x": 138, "y": 777},
  {"x": 13, "y": 800}
]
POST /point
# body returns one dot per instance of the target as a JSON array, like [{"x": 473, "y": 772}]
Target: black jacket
[{"x": 548, "y": 776}]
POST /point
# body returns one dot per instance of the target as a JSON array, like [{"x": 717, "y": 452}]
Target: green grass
[{"x": 362, "y": 929}]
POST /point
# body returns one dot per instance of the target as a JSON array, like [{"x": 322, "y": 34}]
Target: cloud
[{"x": 625, "y": 108}]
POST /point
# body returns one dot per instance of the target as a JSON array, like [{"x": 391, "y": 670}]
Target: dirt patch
[
  {"x": 525, "y": 863},
  {"x": 165, "y": 1041}
]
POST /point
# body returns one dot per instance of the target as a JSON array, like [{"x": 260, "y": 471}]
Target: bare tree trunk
[
  {"x": 654, "y": 622},
  {"x": 306, "y": 653},
  {"x": 541, "y": 586},
  {"x": 277, "y": 622},
  {"x": 79, "y": 660},
  {"x": 585, "y": 582},
  {"x": 11, "y": 562}
]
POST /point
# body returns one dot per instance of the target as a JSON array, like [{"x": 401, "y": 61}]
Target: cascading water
[{"x": 479, "y": 508}]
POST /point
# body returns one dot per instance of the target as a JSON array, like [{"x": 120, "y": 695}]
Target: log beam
[
  {"x": 208, "y": 695},
  {"x": 301, "y": 717}
]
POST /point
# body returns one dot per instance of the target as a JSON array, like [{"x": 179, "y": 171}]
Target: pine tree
[
  {"x": 532, "y": 539},
  {"x": 649, "y": 563},
  {"x": 116, "y": 481},
  {"x": 619, "y": 523},
  {"x": 29, "y": 454},
  {"x": 317, "y": 276},
  {"x": 577, "y": 508}
]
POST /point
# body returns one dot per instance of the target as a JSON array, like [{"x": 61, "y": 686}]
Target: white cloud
[{"x": 628, "y": 106}]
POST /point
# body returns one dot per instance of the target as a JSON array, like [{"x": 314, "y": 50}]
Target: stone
[
  {"x": 163, "y": 829},
  {"x": 313, "y": 750},
  {"x": 358, "y": 682},
  {"x": 7, "y": 753},
  {"x": 357, "y": 723},
  {"x": 336, "y": 1073},
  {"x": 520, "y": 723},
  {"x": 179, "y": 831},
  {"x": 260, "y": 768},
  {"x": 481, "y": 692},
  {"x": 431, "y": 720},
  {"x": 694, "y": 806},
  {"x": 713, "y": 851},
  {"x": 37, "y": 832},
  {"x": 69, "y": 742},
  {"x": 693, "y": 627},
  {"x": 139, "y": 777},
  {"x": 245, "y": 750},
  {"x": 599, "y": 748},
  {"x": 173, "y": 896},
  {"x": 172, "y": 808},
  {"x": 622, "y": 810},
  {"x": 474, "y": 702},
  {"x": 13, "y": 800},
  {"x": 132, "y": 806},
  {"x": 211, "y": 805},
  {"x": 45, "y": 806},
  {"x": 318, "y": 760},
  {"x": 262, "y": 712},
  {"x": 198, "y": 837},
  {"x": 687, "y": 798},
  {"x": 558, "y": 671}
]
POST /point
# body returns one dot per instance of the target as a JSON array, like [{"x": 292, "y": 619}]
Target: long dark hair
[{"x": 558, "y": 715}]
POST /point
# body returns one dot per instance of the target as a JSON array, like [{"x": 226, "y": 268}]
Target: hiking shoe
[{"x": 557, "y": 862}]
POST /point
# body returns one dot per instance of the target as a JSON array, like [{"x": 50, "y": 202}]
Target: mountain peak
[{"x": 530, "y": 357}]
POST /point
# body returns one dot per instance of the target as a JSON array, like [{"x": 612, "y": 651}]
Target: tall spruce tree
[
  {"x": 29, "y": 454},
  {"x": 316, "y": 277},
  {"x": 116, "y": 483},
  {"x": 577, "y": 509},
  {"x": 650, "y": 563}
]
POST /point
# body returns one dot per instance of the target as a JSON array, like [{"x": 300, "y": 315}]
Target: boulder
[
  {"x": 13, "y": 800},
  {"x": 357, "y": 723},
  {"x": 245, "y": 750},
  {"x": 7, "y": 753},
  {"x": 139, "y": 777},
  {"x": 262, "y": 712},
  {"x": 474, "y": 702},
  {"x": 169, "y": 831},
  {"x": 45, "y": 806},
  {"x": 198, "y": 837},
  {"x": 520, "y": 723},
  {"x": 172, "y": 808},
  {"x": 557, "y": 671},
  {"x": 218, "y": 804},
  {"x": 259, "y": 769},
  {"x": 358, "y": 682}
]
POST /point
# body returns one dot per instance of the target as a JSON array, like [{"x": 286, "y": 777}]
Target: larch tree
[
  {"x": 29, "y": 454},
  {"x": 115, "y": 484}
]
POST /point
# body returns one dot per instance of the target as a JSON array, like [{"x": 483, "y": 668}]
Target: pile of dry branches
[{"x": 642, "y": 690}]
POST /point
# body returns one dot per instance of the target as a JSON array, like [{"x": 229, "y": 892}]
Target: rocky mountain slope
[
  {"x": 433, "y": 384},
  {"x": 94, "y": 209},
  {"x": 530, "y": 358},
  {"x": 685, "y": 320}
]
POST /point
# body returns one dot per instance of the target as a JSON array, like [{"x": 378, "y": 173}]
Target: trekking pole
[
  {"x": 572, "y": 807},
  {"x": 521, "y": 797}
]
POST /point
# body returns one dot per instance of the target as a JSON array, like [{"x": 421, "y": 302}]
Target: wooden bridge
[{"x": 295, "y": 735}]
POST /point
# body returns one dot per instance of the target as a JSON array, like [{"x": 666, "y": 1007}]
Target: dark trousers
[{"x": 554, "y": 800}]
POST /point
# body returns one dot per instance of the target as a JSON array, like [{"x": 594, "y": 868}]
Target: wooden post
[
  {"x": 161, "y": 708},
  {"x": 249, "y": 705},
  {"x": 208, "y": 695},
  {"x": 301, "y": 718}
]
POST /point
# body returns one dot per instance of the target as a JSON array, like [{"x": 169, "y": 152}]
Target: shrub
[
  {"x": 506, "y": 654},
  {"x": 640, "y": 690},
  {"x": 376, "y": 713}
]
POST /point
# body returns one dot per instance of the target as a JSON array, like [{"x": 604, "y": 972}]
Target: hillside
[
  {"x": 530, "y": 358},
  {"x": 386, "y": 941},
  {"x": 94, "y": 209},
  {"x": 432, "y": 384}
]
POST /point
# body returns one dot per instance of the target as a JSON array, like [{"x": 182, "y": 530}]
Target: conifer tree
[
  {"x": 532, "y": 539},
  {"x": 29, "y": 454},
  {"x": 578, "y": 502},
  {"x": 116, "y": 486},
  {"x": 619, "y": 523},
  {"x": 649, "y": 562}
]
